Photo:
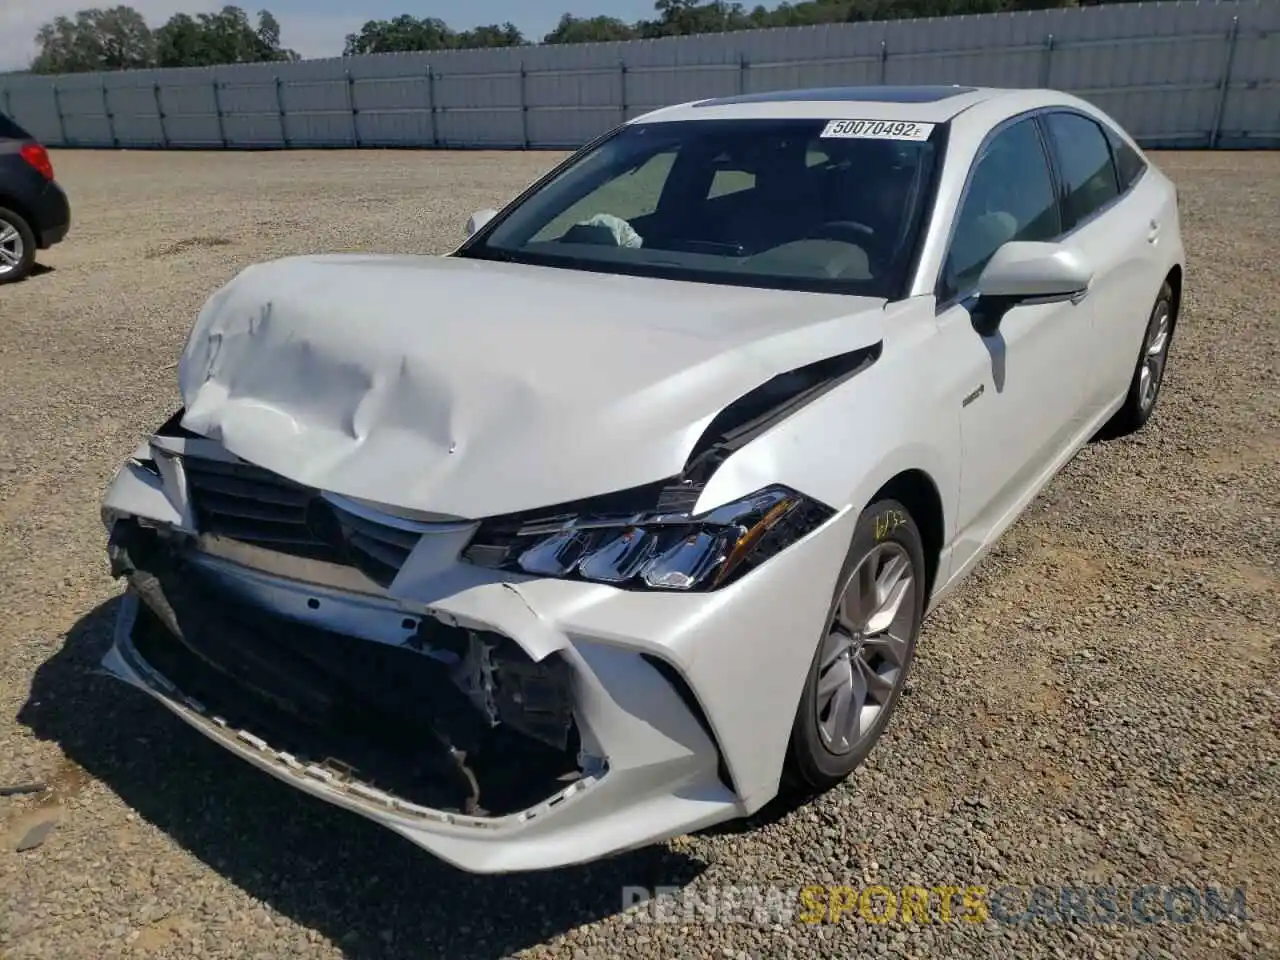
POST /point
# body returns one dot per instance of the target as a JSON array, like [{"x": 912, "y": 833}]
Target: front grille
[
  {"x": 375, "y": 548},
  {"x": 244, "y": 502}
]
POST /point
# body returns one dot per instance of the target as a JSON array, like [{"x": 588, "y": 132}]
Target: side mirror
[
  {"x": 1024, "y": 271},
  {"x": 478, "y": 220}
]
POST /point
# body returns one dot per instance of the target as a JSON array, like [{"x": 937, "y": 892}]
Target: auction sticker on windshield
[{"x": 878, "y": 130}]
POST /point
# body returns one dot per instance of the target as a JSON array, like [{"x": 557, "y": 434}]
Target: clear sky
[{"x": 316, "y": 28}]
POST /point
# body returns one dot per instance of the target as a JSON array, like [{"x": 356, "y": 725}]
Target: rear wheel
[
  {"x": 17, "y": 247},
  {"x": 862, "y": 660},
  {"x": 1148, "y": 375}
]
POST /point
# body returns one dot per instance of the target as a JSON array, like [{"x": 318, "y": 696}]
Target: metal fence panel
[
  {"x": 834, "y": 72},
  {"x": 393, "y": 128},
  {"x": 496, "y": 90},
  {"x": 480, "y": 128},
  {"x": 318, "y": 112},
  {"x": 393, "y": 111},
  {"x": 190, "y": 113},
  {"x": 1178, "y": 73},
  {"x": 87, "y": 130},
  {"x": 135, "y": 115},
  {"x": 1251, "y": 111},
  {"x": 194, "y": 131},
  {"x": 570, "y": 128},
  {"x": 190, "y": 99},
  {"x": 252, "y": 130},
  {"x": 37, "y": 111}
]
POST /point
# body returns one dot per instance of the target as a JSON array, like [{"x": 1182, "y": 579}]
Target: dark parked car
[{"x": 34, "y": 212}]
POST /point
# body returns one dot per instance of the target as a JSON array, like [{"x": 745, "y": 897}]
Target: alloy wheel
[
  {"x": 864, "y": 656},
  {"x": 1154, "y": 355},
  {"x": 11, "y": 248}
]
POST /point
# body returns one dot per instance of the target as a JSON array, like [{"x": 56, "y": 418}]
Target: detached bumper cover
[{"x": 683, "y": 703}]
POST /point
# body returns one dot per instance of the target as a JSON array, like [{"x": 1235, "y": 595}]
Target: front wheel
[{"x": 861, "y": 664}]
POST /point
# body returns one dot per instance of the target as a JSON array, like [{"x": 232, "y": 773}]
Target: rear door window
[
  {"x": 1084, "y": 158},
  {"x": 1129, "y": 165}
]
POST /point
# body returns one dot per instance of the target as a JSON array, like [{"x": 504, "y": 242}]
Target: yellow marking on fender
[{"x": 888, "y": 522}]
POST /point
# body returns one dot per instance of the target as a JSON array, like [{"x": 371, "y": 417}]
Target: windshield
[{"x": 771, "y": 203}]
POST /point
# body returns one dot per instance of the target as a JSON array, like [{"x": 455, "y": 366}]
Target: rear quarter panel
[{"x": 20, "y": 186}]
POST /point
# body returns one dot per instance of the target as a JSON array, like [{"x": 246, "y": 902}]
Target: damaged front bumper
[{"x": 501, "y": 722}]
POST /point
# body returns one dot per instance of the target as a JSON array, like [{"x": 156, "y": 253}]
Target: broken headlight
[{"x": 660, "y": 548}]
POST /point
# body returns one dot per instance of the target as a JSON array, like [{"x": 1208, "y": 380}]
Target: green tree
[
  {"x": 269, "y": 38},
  {"x": 180, "y": 43},
  {"x": 406, "y": 32},
  {"x": 678, "y": 18},
  {"x": 573, "y": 29},
  {"x": 491, "y": 35},
  {"x": 399, "y": 35},
  {"x": 113, "y": 39},
  {"x": 119, "y": 39},
  {"x": 228, "y": 36},
  {"x": 684, "y": 17}
]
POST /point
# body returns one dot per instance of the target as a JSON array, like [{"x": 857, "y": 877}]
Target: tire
[
  {"x": 819, "y": 756},
  {"x": 1148, "y": 371},
  {"x": 21, "y": 238}
]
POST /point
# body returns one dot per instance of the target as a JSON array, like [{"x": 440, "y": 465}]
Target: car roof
[
  {"x": 10, "y": 129},
  {"x": 918, "y": 103}
]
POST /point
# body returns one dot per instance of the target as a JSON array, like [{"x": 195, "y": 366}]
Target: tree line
[{"x": 119, "y": 38}]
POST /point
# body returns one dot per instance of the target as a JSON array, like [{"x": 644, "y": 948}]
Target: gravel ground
[{"x": 1097, "y": 706}]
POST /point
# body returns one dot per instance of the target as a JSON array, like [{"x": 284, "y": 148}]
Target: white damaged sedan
[{"x": 593, "y": 531}]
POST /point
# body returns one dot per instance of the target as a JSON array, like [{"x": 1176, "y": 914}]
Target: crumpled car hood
[{"x": 467, "y": 388}]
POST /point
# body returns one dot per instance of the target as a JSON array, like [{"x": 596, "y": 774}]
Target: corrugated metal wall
[{"x": 1174, "y": 73}]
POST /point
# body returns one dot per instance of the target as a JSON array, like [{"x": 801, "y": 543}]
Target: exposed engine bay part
[
  {"x": 503, "y": 684},
  {"x": 454, "y": 721}
]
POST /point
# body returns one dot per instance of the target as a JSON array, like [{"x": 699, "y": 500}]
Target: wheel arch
[
  {"x": 1174, "y": 279},
  {"x": 10, "y": 202},
  {"x": 916, "y": 490}
]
